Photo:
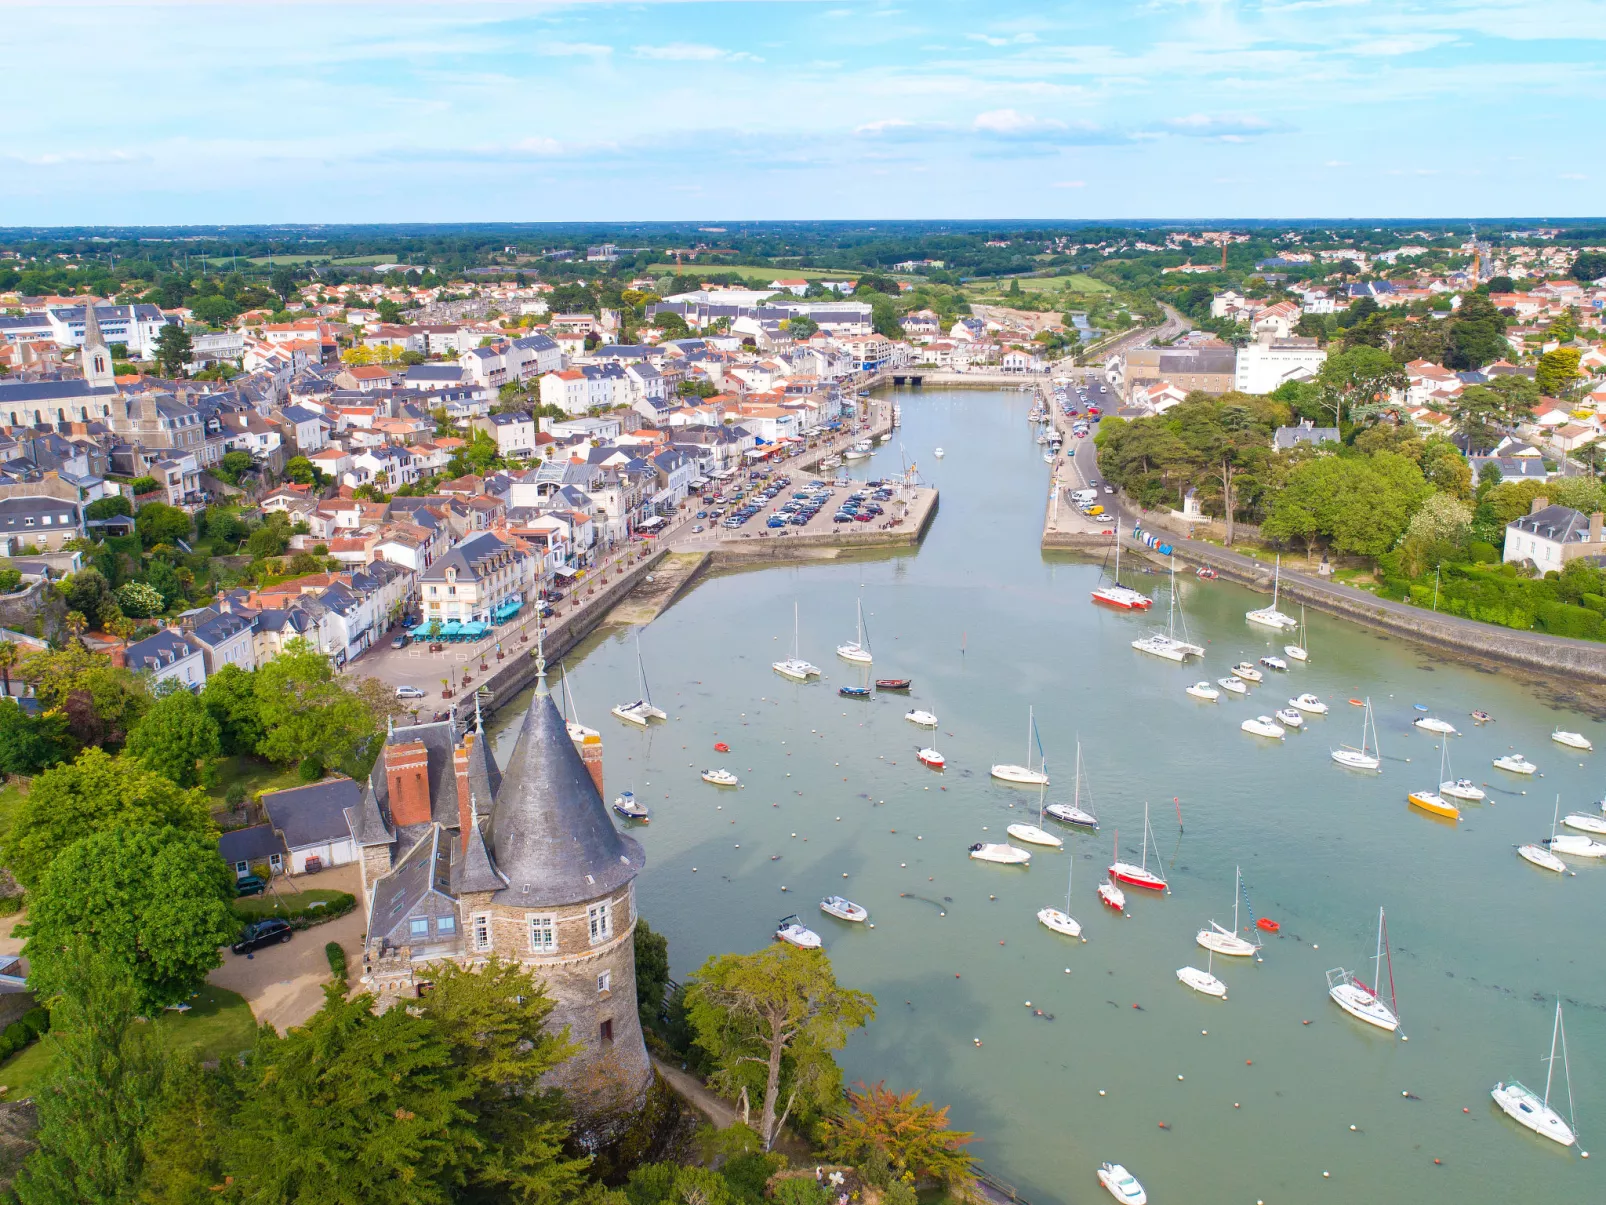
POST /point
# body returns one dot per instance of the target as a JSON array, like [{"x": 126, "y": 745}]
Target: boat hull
[
  {"x": 853, "y": 653},
  {"x": 1363, "y": 1006},
  {"x": 1352, "y": 760},
  {"x": 1003, "y": 855},
  {"x": 1020, "y": 775},
  {"x": 1267, "y": 617},
  {"x": 930, "y": 757},
  {"x": 921, "y": 719},
  {"x": 1033, "y": 835},
  {"x": 1514, "y": 767},
  {"x": 1136, "y": 876},
  {"x": 1433, "y": 803},
  {"x": 1069, "y": 813},
  {"x": 1122, "y": 598},
  {"x": 1541, "y": 857},
  {"x": 1527, "y": 1108},
  {"x": 1060, "y": 922},
  {"x": 1226, "y": 943},
  {"x": 1112, "y": 897},
  {"x": 1202, "y": 982},
  {"x": 893, "y": 683}
]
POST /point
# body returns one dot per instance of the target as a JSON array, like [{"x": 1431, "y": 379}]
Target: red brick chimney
[
  {"x": 1595, "y": 523},
  {"x": 407, "y": 777},
  {"x": 591, "y": 755},
  {"x": 465, "y": 815}
]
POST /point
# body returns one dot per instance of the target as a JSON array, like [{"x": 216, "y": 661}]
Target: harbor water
[{"x": 1271, "y": 1095}]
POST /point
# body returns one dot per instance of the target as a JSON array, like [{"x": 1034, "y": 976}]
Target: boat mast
[
  {"x": 1029, "y": 736},
  {"x": 1117, "y": 550},
  {"x": 1377, "y": 962},
  {"x": 1237, "y": 894},
  {"x": 1145, "y": 836},
  {"x": 1276, "y": 579},
  {"x": 641, "y": 671},
  {"x": 1550, "y": 1063}
]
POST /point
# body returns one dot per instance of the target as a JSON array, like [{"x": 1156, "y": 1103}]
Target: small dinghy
[
  {"x": 1481, "y": 717},
  {"x": 1247, "y": 672},
  {"x": 1112, "y": 896},
  {"x": 1430, "y": 724},
  {"x": 1309, "y": 702},
  {"x": 631, "y": 808},
  {"x": 721, "y": 747},
  {"x": 1202, "y": 982},
  {"x": 893, "y": 683},
  {"x": 1573, "y": 740},
  {"x": 1033, "y": 835},
  {"x": 1265, "y": 726},
  {"x": 1207, "y": 574},
  {"x": 1235, "y": 685},
  {"x": 1005, "y": 855},
  {"x": 1515, "y": 763},
  {"x": 1203, "y": 690},
  {"x": 721, "y": 778},
  {"x": 1122, "y": 1184},
  {"x": 1269, "y": 925},
  {"x": 1289, "y": 717},
  {"x": 835, "y": 905},
  {"x": 923, "y": 719},
  {"x": 1271, "y": 662},
  {"x": 930, "y": 757},
  {"x": 854, "y": 692},
  {"x": 794, "y": 933}
]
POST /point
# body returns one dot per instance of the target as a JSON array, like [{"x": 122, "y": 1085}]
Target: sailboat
[
  {"x": 642, "y": 709},
  {"x": 1363, "y": 1002},
  {"x": 1300, "y": 651},
  {"x": 1117, "y": 595},
  {"x": 1455, "y": 788},
  {"x": 1024, "y": 775},
  {"x": 1271, "y": 617},
  {"x": 1141, "y": 875},
  {"x": 577, "y": 731},
  {"x": 1063, "y": 922},
  {"x": 1112, "y": 895},
  {"x": 1526, "y": 1107},
  {"x": 795, "y": 667},
  {"x": 1074, "y": 812},
  {"x": 1035, "y": 834},
  {"x": 1167, "y": 644},
  {"x": 1227, "y": 941},
  {"x": 1541, "y": 856},
  {"x": 1203, "y": 982},
  {"x": 1367, "y": 756},
  {"x": 1432, "y": 801},
  {"x": 857, "y": 650}
]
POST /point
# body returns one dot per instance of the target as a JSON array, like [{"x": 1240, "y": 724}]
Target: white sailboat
[
  {"x": 571, "y": 714},
  {"x": 1074, "y": 812},
  {"x": 1227, "y": 941},
  {"x": 1300, "y": 651},
  {"x": 642, "y": 709},
  {"x": 858, "y": 649},
  {"x": 795, "y": 667},
  {"x": 1539, "y": 854},
  {"x": 1367, "y": 756},
  {"x": 1168, "y": 644},
  {"x": 1363, "y": 1002},
  {"x": 1271, "y": 617},
  {"x": 1024, "y": 775},
  {"x": 1035, "y": 834},
  {"x": 1204, "y": 982},
  {"x": 1007, "y": 855},
  {"x": 1062, "y": 922},
  {"x": 1139, "y": 876},
  {"x": 1117, "y": 595},
  {"x": 1526, "y": 1107}
]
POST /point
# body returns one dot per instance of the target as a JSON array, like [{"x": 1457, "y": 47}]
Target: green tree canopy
[
  {"x": 173, "y": 349},
  {"x": 159, "y": 523},
  {"x": 139, "y": 600},
  {"x": 1359, "y": 381},
  {"x": 108, "y": 507},
  {"x": 1589, "y": 265},
  {"x": 230, "y": 698},
  {"x": 30, "y": 744},
  {"x": 1476, "y": 335},
  {"x": 102, "y": 702},
  {"x": 176, "y": 738},
  {"x": 305, "y": 712},
  {"x": 913, "y": 1136},
  {"x": 1558, "y": 370}
]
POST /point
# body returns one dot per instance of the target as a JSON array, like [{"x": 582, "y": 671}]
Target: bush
[
  {"x": 10, "y": 905},
  {"x": 310, "y": 769},
  {"x": 235, "y": 795},
  {"x": 144, "y": 485},
  {"x": 1484, "y": 553},
  {"x": 24, "y": 1031},
  {"x": 10, "y": 581},
  {"x": 1564, "y": 619},
  {"x": 306, "y": 917},
  {"x": 336, "y": 954}
]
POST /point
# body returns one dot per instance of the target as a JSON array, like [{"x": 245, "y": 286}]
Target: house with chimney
[{"x": 1548, "y": 537}]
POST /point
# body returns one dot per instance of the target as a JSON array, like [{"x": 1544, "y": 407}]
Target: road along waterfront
[{"x": 987, "y": 625}]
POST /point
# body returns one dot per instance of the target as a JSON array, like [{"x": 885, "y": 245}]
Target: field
[
  {"x": 757, "y": 274},
  {"x": 345, "y": 261},
  {"x": 1077, "y": 282}
]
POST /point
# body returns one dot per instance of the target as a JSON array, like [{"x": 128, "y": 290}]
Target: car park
[{"x": 262, "y": 933}]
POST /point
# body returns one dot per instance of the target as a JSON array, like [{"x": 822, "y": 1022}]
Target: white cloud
[
  {"x": 1019, "y": 39},
  {"x": 694, "y": 52},
  {"x": 573, "y": 49},
  {"x": 1231, "y": 128},
  {"x": 1012, "y": 123}
]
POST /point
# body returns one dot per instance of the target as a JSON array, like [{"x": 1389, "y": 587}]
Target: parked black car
[
  {"x": 250, "y": 885},
  {"x": 262, "y": 933}
]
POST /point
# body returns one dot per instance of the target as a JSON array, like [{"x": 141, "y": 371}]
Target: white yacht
[
  {"x": 858, "y": 649},
  {"x": 1363, "y": 1002},
  {"x": 923, "y": 719},
  {"x": 1429, "y": 723},
  {"x": 1168, "y": 644},
  {"x": 1007, "y": 855},
  {"x": 794, "y": 933},
  {"x": 1204, "y": 982},
  {"x": 843, "y": 909},
  {"x": 1576, "y": 845},
  {"x": 1024, "y": 775},
  {"x": 1515, "y": 763},
  {"x": 721, "y": 778},
  {"x": 1289, "y": 717},
  {"x": 1122, "y": 1184},
  {"x": 1299, "y": 651},
  {"x": 1235, "y": 685},
  {"x": 1585, "y": 823},
  {"x": 1528, "y": 1108},
  {"x": 1264, "y": 725},
  {"x": 1247, "y": 672},
  {"x": 1366, "y": 757},
  {"x": 1271, "y": 617},
  {"x": 1203, "y": 690},
  {"x": 1227, "y": 941},
  {"x": 1308, "y": 702},
  {"x": 795, "y": 667},
  {"x": 1573, "y": 740}
]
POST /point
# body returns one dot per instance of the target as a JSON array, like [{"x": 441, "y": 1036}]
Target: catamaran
[
  {"x": 1300, "y": 650},
  {"x": 1025, "y": 775},
  {"x": 1117, "y": 595},
  {"x": 1227, "y": 941},
  {"x": 1062, "y": 922},
  {"x": 1167, "y": 644},
  {"x": 795, "y": 667},
  {"x": 1141, "y": 875},
  {"x": 1526, "y": 1107},
  {"x": 1367, "y": 756},
  {"x": 1271, "y": 617},
  {"x": 1360, "y": 1001},
  {"x": 1074, "y": 812},
  {"x": 642, "y": 709},
  {"x": 858, "y": 649}
]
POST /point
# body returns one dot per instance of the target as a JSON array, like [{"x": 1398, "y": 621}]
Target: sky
[{"x": 133, "y": 113}]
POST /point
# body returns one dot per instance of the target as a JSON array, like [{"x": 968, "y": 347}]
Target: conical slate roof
[{"x": 551, "y": 837}]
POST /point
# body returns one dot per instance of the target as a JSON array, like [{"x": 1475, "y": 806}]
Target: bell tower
[{"x": 96, "y": 356}]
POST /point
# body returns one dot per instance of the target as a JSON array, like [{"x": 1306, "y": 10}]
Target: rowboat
[{"x": 893, "y": 683}]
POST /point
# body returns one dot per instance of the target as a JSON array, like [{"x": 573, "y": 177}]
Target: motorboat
[
  {"x": 721, "y": 778},
  {"x": 794, "y": 933},
  {"x": 1271, "y": 662},
  {"x": 1429, "y": 723},
  {"x": 642, "y": 710},
  {"x": 1359, "y": 1000},
  {"x": 1528, "y": 1108},
  {"x": 856, "y": 650},
  {"x": 835, "y": 905},
  {"x": 893, "y": 683},
  {"x": 1203, "y": 982},
  {"x": 1299, "y": 651},
  {"x": 1454, "y": 788},
  {"x": 1585, "y": 823},
  {"x": 1308, "y": 702},
  {"x": 1247, "y": 672},
  {"x": 1062, "y": 922},
  {"x": 1271, "y": 617},
  {"x": 1203, "y": 690},
  {"x": 1122, "y": 1184},
  {"x": 1115, "y": 594},
  {"x": 854, "y": 692},
  {"x": 1227, "y": 941},
  {"x": 859, "y": 450},
  {"x": 1575, "y": 845},
  {"x": 1264, "y": 725},
  {"x": 1367, "y": 756},
  {"x": 938, "y": 453},
  {"x": 1289, "y": 717},
  {"x": 923, "y": 719},
  {"x": 1033, "y": 835},
  {"x": 795, "y": 667},
  {"x": 631, "y": 808},
  {"x": 1515, "y": 763},
  {"x": 1167, "y": 644},
  {"x": 1112, "y": 896},
  {"x": 1573, "y": 740},
  {"x": 1235, "y": 685},
  {"x": 1140, "y": 875},
  {"x": 1006, "y": 855},
  {"x": 930, "y": 757}
]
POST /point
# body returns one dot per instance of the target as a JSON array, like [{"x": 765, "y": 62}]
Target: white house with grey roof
[
  {"x": 168, "y": 657},
  {"x": 1550, "y": 536},
  {"x": 469, "y": 582},
  {"x": 311, "y": 823}
]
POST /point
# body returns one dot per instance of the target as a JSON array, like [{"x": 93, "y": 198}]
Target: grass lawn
[
  {"x": 219, "y": 1024},
  {"x": 271, "y": 902},
  {"x": 757, "y": 273},
  {"x": 350, "y": 260},
  {"x": 253, "y": 774},
  {"x": 1076, "y": 282}
]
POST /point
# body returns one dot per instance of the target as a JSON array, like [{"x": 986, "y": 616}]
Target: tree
[
  {"x": 159, "y": 523},
  {"x": 913, "y": 1137},
  {"x": 232, "y": 466},
  {"x": 176, "y": 738},
  {"x": 230, "y": 698},
  {"x": 1439, "y": 531},
  {"x": 304, "y": 712},
  {"x": 884, "y": 316},
  {"x": 1361, "y": 379},
  {"x": 1558, "y": 370},
  {"x": 140, "y": 600},
  {"x": 88, "y": 593},
  {"x": 102, "y": 701},
  {"x": 105, "y": 1074},
  {"x": 271, "y": 539},
  {"x": 108, "y": 507},
  {"x": 93, "y": 794},
  {"x": 156, "y": 901},
  {"x": 769, "y": 1022},
  {"x": 1476, "y": 334},
  {"x": 652, "y": 972},
  {"x": 174, "y": 349},
  {"x": 1589, "y": 265},
  {"x": 801, "y": 326},
  {"x": 31, "y": 744},
  {"x": 1480, "y": 414},
  {"x": 9, "y": 656},
  {"x": 353, "y": 1106},
  {"x": 283, "y": 283},
  {"x": 302, "y": 471}
]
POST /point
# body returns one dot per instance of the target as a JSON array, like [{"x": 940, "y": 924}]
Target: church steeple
[{"x": 96, "y": 356}]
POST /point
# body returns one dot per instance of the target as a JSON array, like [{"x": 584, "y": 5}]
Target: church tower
[{"x": 96, "y": 356}]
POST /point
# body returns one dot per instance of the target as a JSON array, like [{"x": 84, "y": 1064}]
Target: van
[
  {"x": 1084, "y": 495},
  {"x": 1094, "y": 510}
]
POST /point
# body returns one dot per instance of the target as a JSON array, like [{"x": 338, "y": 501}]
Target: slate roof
[
  {"x": 158, "y": 652},
  {"x": 253, "y": 844},
  {"x": 49, "y": 391},
  {"x": 425, "y": 870},
  {"x": 314, "y": 814},
  {"x": 216, "y": 630},
  {"x": 1561, "y": 524}
]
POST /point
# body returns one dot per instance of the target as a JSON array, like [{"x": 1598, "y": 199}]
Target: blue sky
[{"x": 397, "y": 111}]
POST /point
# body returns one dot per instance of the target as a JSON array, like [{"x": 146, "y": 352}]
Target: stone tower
[{"x": 96, "y": 357}]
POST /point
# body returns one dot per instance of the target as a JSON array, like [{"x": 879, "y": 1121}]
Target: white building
[
  {"x": 1269, "y": 362},
  {"x": 137, "y": 327},
  {"x": 168, "y": 656}
]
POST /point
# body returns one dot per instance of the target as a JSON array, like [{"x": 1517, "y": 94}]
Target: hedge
[
  {"x": 305, "y": 918},
  {"x": 336, "y": 954},
  {"x": 25, "y": 1031}
]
